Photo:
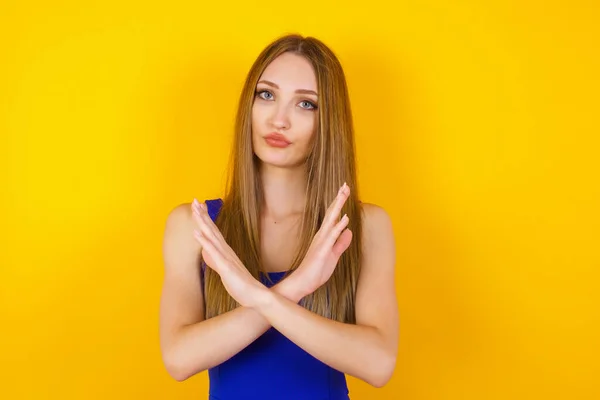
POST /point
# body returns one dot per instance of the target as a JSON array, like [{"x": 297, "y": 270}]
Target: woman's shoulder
[
  {"x": 180, "y": 215},
  {"x": 376, "y": 222},
  {"x": 374, "y": 214},
  {"x": 180, "y": 248},
  {"x": 180, "y": 224}
]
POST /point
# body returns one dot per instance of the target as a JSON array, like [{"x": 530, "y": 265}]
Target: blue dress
[{"x": 273, "y": 367}]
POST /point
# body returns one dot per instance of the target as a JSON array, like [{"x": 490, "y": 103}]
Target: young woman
[{"x": 271, "y": 289}]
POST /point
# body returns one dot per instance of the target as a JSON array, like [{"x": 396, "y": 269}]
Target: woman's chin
[{"x": 277, "y": 160}]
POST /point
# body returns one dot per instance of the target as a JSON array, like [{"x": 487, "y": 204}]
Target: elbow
[
  {"x": 175, "y": 370},
  {"x": 178, "y": 374},
  {"x": 384, "y": 371},
  {"x": 176, "y": 367}
]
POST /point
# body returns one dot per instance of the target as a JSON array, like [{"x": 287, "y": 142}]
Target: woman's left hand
[{"x": 217, "y": 254}]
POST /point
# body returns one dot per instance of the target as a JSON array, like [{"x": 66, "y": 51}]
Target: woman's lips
[{"x": 277, "y": 140}]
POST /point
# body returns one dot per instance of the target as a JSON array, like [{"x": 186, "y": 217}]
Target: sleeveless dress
[{"x": 273, "y": 367}]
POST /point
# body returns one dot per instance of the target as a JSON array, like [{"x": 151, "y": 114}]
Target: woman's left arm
[{"x": 366, "y": 350}]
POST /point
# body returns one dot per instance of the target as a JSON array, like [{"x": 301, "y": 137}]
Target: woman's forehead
[{"x": 290, "y": 72}]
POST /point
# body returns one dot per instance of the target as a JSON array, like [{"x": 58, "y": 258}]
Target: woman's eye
[
  {"x": 264, "y": 95},
  {"x": 307, "y": 105}
]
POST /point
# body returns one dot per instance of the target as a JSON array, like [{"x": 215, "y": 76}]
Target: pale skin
[{"x": 190, "y": 344}]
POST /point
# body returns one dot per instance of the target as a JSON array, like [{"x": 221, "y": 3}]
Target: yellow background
[{"x": 477, "y": 129}]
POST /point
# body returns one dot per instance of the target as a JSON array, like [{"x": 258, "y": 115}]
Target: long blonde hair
[{"x": 330, "y": 163}]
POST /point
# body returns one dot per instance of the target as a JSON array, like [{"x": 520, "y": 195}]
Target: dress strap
[{"x": 213, "y": 208}]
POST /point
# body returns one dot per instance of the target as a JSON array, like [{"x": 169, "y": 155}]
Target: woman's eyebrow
[{"x": 302, "y": 91}]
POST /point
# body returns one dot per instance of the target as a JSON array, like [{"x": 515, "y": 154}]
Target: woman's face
[{"x": 284, "y": 113}]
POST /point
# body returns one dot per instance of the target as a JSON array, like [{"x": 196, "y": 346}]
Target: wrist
[
  {"x": 264, "y": 298},
  {"x": 290, "y": 288}
]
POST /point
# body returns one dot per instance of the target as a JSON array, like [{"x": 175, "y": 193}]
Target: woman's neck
[{"x": 284, "y": 191}]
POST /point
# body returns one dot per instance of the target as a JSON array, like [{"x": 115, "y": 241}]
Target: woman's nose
[{"x": 281, "y": 118}]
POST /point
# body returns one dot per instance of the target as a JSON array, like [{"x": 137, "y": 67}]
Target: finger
[
  {"x": 207, "y": 227},
  {"x": 206, "y": 257},
  {"x": 212, "y": 232},
  {"x": 334, "y": 234},
  {"x": 333, "y": 212},
  {"x": 203, "y": 225},
  {"x": 342, "y": 243},
  {"x": 210, "y": 249},
  {"x": 203, "y": 211}
]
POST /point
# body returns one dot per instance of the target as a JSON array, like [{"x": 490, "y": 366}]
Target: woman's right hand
[{"x": 326, "y": 248}]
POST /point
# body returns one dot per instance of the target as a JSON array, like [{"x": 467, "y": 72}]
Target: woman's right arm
[{"x": 189, "y": 344}]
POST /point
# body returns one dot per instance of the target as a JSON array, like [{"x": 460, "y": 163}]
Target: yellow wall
[{"x": 477, "y": 130}]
